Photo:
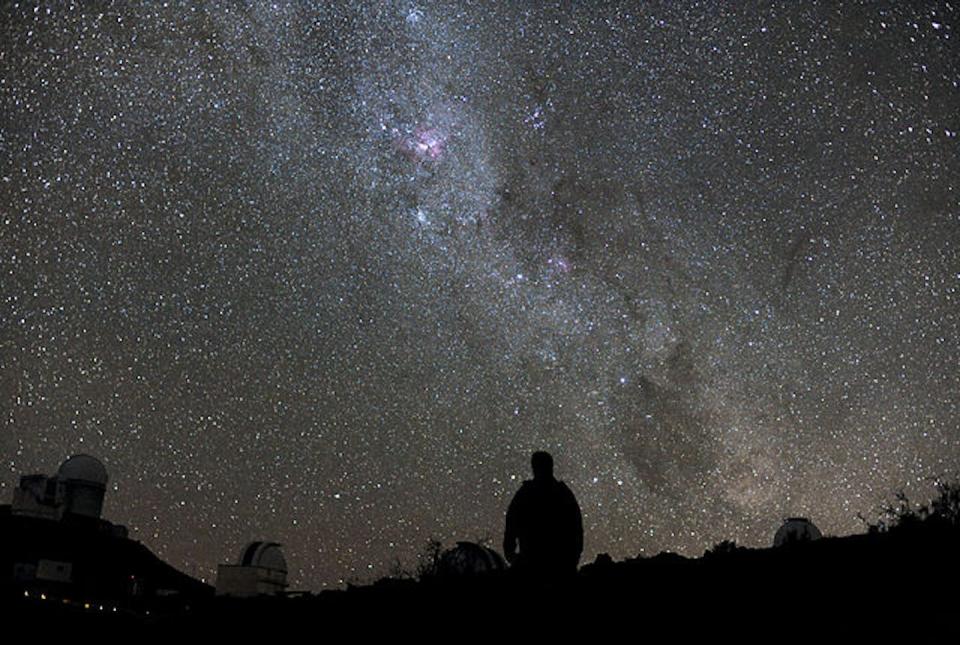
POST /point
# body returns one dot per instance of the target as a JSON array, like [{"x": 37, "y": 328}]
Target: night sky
[{"x": 329, "y": 275}]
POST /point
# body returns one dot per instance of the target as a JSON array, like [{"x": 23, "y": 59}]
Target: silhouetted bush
[
  {"x": 720, "y": 549},
  {"x": 901, "y": 514},
  {"x": 428, "y": 561},
  {"x": 946, "y": 506}
]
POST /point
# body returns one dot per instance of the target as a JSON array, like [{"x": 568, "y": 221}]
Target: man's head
[{"x": 542, "y": 464}]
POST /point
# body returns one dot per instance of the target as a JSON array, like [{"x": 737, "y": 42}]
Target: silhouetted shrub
[
  {"x": 902, "y": 514},
  {"x": 946, "y": 506},
  {"x": 429, "y": 559},
  {"x": 720, "y": 549}
]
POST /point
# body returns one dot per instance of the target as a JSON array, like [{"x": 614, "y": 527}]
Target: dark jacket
[{"x": 544, "y": 518}]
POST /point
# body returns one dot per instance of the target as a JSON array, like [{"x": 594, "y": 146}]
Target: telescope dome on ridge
[{"x": 83, "y": 468}]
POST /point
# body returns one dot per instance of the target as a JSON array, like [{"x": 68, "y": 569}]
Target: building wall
[
  {"x": 54, "y": 571},
  {"x": 237, "y": 580},
  {"x": 37, "y": 496}
]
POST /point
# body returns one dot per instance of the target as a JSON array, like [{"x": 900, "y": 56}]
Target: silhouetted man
[{"x": 544, "y": 518}]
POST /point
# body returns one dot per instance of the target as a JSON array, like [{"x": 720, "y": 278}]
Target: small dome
[
  {"x": 469, "y": 558},
  {"x": 83, "y": 468},
  {"x": 796, "y": 529},
  {"x": 268, "y": 555}
]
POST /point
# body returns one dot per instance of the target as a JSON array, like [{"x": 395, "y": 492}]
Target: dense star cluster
[{"x": 328, "y": 273}]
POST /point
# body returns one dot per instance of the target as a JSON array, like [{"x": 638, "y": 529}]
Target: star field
[{"x": 327, "y": 275}]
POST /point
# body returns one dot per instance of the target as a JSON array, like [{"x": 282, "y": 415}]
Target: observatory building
[
  {"x": 794, "y": 530},
  {"x": 61, "y": 551},
  {"x": 469, "y": 559},
  {"x": 76, "y": 490},
  {"x": 261, "y": 569}
]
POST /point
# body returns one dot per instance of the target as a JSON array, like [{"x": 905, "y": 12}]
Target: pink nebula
[{"x": 425, "y": 143}]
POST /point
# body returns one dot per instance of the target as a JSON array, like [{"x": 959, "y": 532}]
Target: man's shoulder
[
  {"x": 526, "y": 488},
  {"x": 565, "y": 490},
  {"x": 563, "y": 486},
  {"x": 534, "y": 488}
]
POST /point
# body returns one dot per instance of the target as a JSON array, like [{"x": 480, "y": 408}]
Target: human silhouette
[{"x": 544, "y": 520}]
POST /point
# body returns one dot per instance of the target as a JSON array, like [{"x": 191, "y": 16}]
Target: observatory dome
[
  {"x": 267, "y": 555},
  {"x": 796, "y": 529},
  {"x": 83, "y": 468},
  {"x": 469, "y": 558},
  {"x": 261, "y": 569}
]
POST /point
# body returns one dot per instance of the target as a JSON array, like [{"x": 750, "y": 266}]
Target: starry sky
[{"x": 327, "y": 275}]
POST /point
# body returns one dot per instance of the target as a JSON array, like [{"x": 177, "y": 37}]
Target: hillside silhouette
[{"x": 900, "y": 574}]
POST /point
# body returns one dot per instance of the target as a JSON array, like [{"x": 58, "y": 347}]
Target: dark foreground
[{"x": 903, "y": 582}]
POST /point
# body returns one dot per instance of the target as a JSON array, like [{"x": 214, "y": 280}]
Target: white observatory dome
[
  {"x": 796, "y": 529},
  {"x": 83, "y": 468},
  {"x": 83, "y": 480},
  {"x": 268, "y": 555},
  {"x": 261, "y": 569}
]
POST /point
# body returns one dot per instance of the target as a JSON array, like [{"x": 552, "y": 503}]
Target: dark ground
[{"x": 878, "y": 585}]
